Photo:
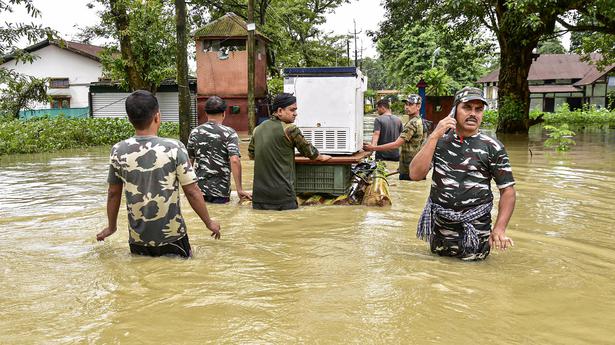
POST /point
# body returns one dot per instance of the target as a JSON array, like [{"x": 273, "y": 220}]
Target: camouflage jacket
[
  {"x": 413, "y": 139},
  {"x": 151, "y": 169},
  {"x": 463, "y": 170},
  {"x": 272, "y": 147},
  {"x": 211, "y": 145}
]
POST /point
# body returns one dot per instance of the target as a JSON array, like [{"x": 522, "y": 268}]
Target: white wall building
[{"x": 70, "y": 67}]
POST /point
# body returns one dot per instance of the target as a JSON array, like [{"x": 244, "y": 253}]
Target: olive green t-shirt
[{"x": 272, "y": 147}]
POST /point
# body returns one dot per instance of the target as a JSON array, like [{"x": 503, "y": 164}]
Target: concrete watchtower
[{"x": 222, "y": 68}]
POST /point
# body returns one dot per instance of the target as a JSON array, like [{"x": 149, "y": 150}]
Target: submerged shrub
[
  {"x": 560, "y": 138},
  {"x": 47, "y": 134}
]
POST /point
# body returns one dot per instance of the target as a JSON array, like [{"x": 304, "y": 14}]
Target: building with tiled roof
[
  {"x": 555, "y": 79},
  {"x": 70, "y": 68}
]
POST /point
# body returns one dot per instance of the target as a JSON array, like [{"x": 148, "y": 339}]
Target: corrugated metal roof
[
  {"x": 553, "y": 88},
  {"x": 229, "y": 25},
  {"x": 558, "y": 66}
]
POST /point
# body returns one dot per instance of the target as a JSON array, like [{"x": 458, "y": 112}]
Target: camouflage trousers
[{"x": 447, "y": 238}]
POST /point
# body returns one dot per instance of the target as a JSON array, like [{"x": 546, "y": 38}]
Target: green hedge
[
  {"x": 51, "y": 134},
  {"x": 585, "y": 116}
]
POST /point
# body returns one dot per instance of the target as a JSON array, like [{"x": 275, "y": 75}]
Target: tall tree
[
  {"x": 518, "y": 26},
  {"x": 145, "y": 33},
  {"x": 377, "y": 78}
]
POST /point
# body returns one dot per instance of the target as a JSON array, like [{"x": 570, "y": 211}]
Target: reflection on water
[{"x": 329, "y": 274}]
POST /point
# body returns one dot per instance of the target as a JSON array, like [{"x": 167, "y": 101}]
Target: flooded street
[{"x": 320, "y": 274}]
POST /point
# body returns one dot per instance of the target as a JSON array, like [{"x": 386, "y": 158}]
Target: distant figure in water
[
  {"x": 213, "y": 149},
  {"x": 152, "y": 169},
  {"x": 457, "y": 217}
]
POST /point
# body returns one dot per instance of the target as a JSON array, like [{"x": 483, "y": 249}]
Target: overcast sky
[{"x": 66, "y": 15}]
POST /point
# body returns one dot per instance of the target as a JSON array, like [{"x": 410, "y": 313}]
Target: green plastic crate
[{"x": 330, "y": 179}]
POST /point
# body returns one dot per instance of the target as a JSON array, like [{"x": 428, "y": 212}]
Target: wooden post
[
  {"x": 182, "y": 72},
  {"x": 251, "y": 45}
]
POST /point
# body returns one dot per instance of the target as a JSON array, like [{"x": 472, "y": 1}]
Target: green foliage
[
  {"x": 439, "y": 83},
  {"x": 275, "y": 85},
  {"x": 490, "y": 118},
  {"x": 377, "y": 77},
  {"x": 591, "y": 41},
  {"x": 397, "y": 108},
  {"x": 292, "y": 25},
  {"x": 148, "y": 55},
  {"x": 16, "y": 90},
  {"x": 408, "y": 53},
  {"x": 518, "y": 26},
  {"x": 511, "y": 114},
  {"x": 560, "y": 138},
  {"x": 587, "y": 116},
  {"x": 19, "y": 92},
  {"x": 12, "y": 33},
  {"x": 51, "y": 134},
  {"x": 551, "y": 45}
]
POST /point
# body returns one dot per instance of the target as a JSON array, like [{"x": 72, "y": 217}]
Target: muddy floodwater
[{"x": 320, "y": 274}]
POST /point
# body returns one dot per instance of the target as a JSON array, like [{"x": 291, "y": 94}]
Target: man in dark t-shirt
[
  {"x": 387, "y": 128},
  {"x": 410, "y": 139},
  {"x": 457, "y": 216}
]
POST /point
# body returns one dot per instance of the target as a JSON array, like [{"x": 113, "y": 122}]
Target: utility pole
[
  {"x": 361, "y": 55},
  {"x": 347, "y": 51},
  {"x": 251, "y": 45},
  {"x": 356, "y": 64}
]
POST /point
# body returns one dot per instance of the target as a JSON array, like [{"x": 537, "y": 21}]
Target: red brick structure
[{"x": 222, "y": 68}]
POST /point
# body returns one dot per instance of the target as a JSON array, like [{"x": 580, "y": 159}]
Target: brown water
[{"x": 329, "y": 274}]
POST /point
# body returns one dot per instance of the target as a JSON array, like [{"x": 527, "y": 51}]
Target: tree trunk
[
  {"x": 513, "y": 90},
  {"x": 516, "y": 45},
  {"x": 120, "y": 15},
  {"x": 182, "y": 71}
]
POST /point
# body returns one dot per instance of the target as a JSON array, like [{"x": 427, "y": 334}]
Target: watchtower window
[{"x": 227, "y": 45}]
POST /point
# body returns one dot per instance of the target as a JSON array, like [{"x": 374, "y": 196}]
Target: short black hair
[
  {"x": 383, "y": 103},
  {"x": 141, "y": 107},
  {"x": 215, "y": 105}
]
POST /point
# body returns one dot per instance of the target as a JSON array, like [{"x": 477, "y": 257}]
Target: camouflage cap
[
  {"x": 412, "y": 99},
  {"x": 468, "y": 94}
]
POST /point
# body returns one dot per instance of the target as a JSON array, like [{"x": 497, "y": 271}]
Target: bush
[
  {"x": 560, "y": 138},
  {"x": 397, "y": 108},
  {"x": 588, "y": 115},
  {"x": 46, "y": 134}
]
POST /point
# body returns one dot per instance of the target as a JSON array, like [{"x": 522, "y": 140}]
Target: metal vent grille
[{"x": 327, "y": 140}]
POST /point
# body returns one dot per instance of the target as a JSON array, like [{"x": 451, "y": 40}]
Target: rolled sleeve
[{"x": 293, "y": 133}]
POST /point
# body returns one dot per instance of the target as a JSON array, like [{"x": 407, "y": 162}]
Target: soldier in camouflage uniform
[
  {"x": 152, "y": 169},
  {"x": 214, "y": 151},
  {"x": 457, "y": 217},
  {"x": 410, "y": 139},
  {"x": 272, "y": 147}
]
